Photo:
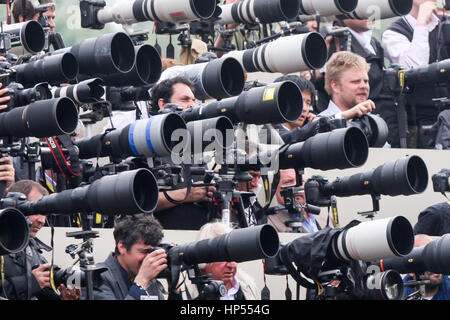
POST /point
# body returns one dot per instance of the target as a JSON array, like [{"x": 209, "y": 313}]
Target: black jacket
[{"x": 19, "y": 283}]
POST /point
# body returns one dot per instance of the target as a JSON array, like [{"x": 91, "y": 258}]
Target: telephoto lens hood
[{"x": 14, "y": 231}]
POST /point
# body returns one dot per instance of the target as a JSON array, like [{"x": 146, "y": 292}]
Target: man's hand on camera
[
  {"x": 198, "y": 194},
  {"x": 359, "y": 110},
  {"x": 151, "y": 266},
  {"x": 3, "y": 99},
  {"x": 7, "y": 171},
  {"x": 69, "y": 293},
  {"x": 42, "y": 275}
]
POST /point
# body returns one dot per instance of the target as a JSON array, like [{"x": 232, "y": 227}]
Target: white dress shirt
[
  {"x": 332, "y": 110},
  {"x": 399, "y": 50}
]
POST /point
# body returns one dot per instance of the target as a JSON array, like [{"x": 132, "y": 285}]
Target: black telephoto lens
[
  {"x": 54, "y": 69},
  {"x": 239, "y": 245},
  {"x": 14, "y": 231},
  {"x": 129, "y": 192},
  {"x": 40, "y": 119}
]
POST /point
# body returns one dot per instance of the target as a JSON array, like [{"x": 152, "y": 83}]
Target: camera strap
[
  {"x": 187, "y": 178},
  {"x": 284, "y": 257},
  {"x": 69, "y": 167},
  {"x": 2, "y": 270}
]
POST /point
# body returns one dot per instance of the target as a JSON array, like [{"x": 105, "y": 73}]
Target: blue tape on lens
[
  {"x": 147, "y": 135},
  {"x": 131, "y": 139}
]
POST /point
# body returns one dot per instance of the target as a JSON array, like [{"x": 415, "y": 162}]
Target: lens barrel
[
  {"x": 14, "y": 231},
  {"x": 262, "y": 11},
  {"x": 129, "y": 192},
  {"x": 339, "y": 149},
  {"x": 217, "y": 79},
  {"x": 174, "y": 11},
  {"x": 239, "y": 245},
  {"x": 147, "y": 69},
  {"x": 54, "y": 69},
  {"x": 327, "y": 8},
  {"x": 40, "y": 119},
  {"x": 433, "y": 257},
  {"x": 205, "y": 132},
  {"x": 26, "y": 37},
  {"x": 87, "y": 91},
  {"x": 405, "y": 176},
  {"x": 294, "y": 53},
  {"x": 107, "y": 54},
  {"x": 147, "y": 137},
  {"x": 275, "y": 103},
  {"x": 374, "y": 240},
  {"x": 381, "y": 9}
]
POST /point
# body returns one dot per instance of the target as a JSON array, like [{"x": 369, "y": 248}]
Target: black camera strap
[
  {"x": 284, "y": 257},
  {"x": 187, "y": 178}
]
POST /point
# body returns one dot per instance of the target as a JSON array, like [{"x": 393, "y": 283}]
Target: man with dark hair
[
  {"x": 27, "y": 274},
  {"x": 291, "y": 131},
  {"x": 131, "y": 270},
  {"x": 178, "y": 90},
  {"x": 193, "y": 212},
  {"x": 24, "y": 10}
]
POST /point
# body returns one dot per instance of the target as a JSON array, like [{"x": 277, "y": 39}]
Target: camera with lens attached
[{"x": 441, "y": 181}]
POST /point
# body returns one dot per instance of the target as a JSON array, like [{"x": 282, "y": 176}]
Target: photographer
[
  {"x": 239, "y": 285},
  {"x": 303, "y": 128},
  {"x": 439, "y": 286},
  {"x": 26, "y": 274},
  {"x": 414, "y": 41},
  {"x": 280, "y": 219},
  {"x": 23, "y": 10},
  {"x": 367, "y": 46},
  {"x": 131, "y": 271},
  {"x": 192, "y": 213},
  {"x": 347, "y": 83}
]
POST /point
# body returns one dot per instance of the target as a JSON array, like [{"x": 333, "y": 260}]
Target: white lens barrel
[
  {"x": 173, "y": 11},
  {"x": 295, "y": 53},
  {"x": 375, "y": 240},
  {"x": 121, "y": 13},
  {"x": 326, "y": 7},
  {"x": 381, "y": 9}
]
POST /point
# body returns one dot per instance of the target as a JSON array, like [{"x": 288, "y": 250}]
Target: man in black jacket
[
  {"x": 131, "y": 271},
  {"x": 26, "y": 274}
]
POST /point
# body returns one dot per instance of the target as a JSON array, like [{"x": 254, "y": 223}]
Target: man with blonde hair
[
  {"x": 347, "y": 83},
  {"x": 239, "y": 285}
]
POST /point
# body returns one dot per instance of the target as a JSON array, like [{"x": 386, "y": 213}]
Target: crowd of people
[{"x": 349, "y": 86}]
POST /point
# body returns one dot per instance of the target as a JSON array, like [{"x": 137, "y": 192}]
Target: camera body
[
  {"x": 89, "y": 10},
  {"x": 441, "y": 181}
]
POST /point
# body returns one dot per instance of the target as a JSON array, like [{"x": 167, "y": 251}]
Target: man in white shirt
[
  {"x": 347, "y": 83},
  {"x": 415, "y": 41}
]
